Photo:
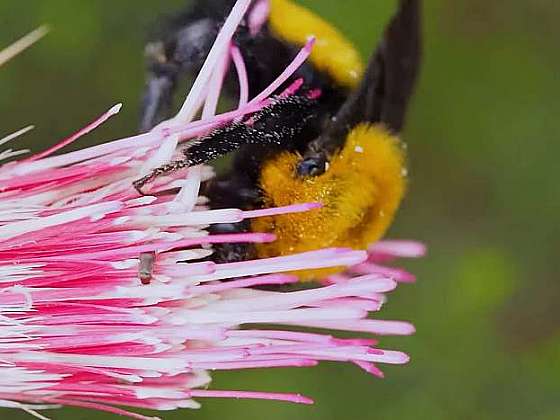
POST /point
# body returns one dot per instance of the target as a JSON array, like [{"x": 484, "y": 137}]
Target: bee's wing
[
  {"x": 383, "y": 94},
  {"x": 399, "y": 57}
]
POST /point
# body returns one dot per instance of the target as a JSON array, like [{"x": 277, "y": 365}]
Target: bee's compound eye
[{"x": 312, "y": 166}]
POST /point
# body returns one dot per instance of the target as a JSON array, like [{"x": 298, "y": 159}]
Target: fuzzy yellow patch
[
  {"x": 360, "y": 193},
  {"x": 332, "y": 52}
]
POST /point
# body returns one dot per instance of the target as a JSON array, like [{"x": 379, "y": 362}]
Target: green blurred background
[{"x": 484, "y": 141}]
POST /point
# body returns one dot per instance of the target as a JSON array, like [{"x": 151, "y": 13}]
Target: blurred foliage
[{"x": 483, "y": 141}]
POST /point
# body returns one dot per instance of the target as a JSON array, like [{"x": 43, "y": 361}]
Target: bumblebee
[{"x": 340, "y": 149}]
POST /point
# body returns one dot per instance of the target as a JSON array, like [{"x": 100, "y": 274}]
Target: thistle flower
[{"x": 79, "y": 329}]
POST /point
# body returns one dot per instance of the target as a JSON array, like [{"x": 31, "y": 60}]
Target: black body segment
[{"x": 277, "y": 126}]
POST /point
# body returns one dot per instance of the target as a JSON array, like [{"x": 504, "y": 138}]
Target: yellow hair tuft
[
  {"x": 332, "y": 52},
  {"x": 360, "y": 193}
]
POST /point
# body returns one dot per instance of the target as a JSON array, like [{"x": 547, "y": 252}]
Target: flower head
[{"x": 77, "y": 326}]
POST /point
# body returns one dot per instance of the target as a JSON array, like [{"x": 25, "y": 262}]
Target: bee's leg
[
  {"x": 234, "y": 189},
  {"x": 238, "y": 188},
  {"x": 157, "y": 98},
  {"x": 162, "y": 170},
  {"x": 231, "y": 252},
  {"x": 383, "y": 94},
  {"x": 277, "y": 125},
  {"x": 182, "y": 51}
]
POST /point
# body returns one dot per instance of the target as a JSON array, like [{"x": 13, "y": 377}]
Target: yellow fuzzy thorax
[
  {"x": 332, "y": 52},
  {"x": 360, "y": 193}
]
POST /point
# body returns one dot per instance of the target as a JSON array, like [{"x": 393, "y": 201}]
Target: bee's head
[{"x": 356, "y": 166}]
